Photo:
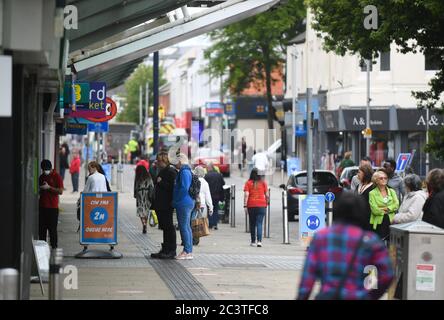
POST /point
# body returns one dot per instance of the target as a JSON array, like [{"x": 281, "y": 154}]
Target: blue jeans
[
  {"x": 256, "y": 216},
  {"x": 184, "y": 221}
]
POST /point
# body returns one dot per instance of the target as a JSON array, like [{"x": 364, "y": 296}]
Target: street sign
[
  {"x": 293, "y": 165},
  {"x": 311, "y": 216},
  {"x": 402, "y": 161},
  {"x": 98, "y": 218},
  {"x": 330, "y": 197},
  {"x": 98, "y": 127}
]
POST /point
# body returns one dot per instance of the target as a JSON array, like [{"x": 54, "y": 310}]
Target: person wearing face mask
[{"x": 51, "y": 186}]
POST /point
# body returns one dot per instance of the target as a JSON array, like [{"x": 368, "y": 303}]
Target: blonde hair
[
  {"x": 348, "y": 155},
  {"x": 377, "y": 175}
]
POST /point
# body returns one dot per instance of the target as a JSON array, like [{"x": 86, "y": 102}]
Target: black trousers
[
  {"x": 48, "y": 220},
  {"x": 165, "y": 218},
  {"x": 75, "y": 181}
]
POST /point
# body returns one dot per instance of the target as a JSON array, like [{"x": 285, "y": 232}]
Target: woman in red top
[
  {"x": 74, "y": 170},
  {"x": 255, "y": 204}
]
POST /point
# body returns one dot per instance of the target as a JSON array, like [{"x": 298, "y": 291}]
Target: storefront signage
[
  {"x": 214, "y": 109},
  {"x": 90, "y": 99},
  {"x": 75, "y": 128},
  {"x": 355, "y": 120},
  {"x": 416, "y": 120}
]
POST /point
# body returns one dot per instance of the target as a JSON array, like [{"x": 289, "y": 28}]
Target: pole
[
  {"x": 293, "y": 104},
  {"x": 87, "y": 156},
  {"x": 309, "y": 145},
  {"x": 98, "y": 147},
  {"x": 147, "y": 101},
  {"x": 330, "y": 213},
  {"x": 286, "y": 237},
  {"x": 55, "y": 280},
  {"x": 267, "y": 218},
  {"x": 427, "y": 164},
  {"x": 232, "y": 206},
  {"x": 367, "y": 150},
  {"x": 156, "y": 102},
  {"x": 140, "y": 105}
]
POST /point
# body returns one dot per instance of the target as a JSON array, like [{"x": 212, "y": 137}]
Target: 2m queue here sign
[{"x": 98, "y": 218}]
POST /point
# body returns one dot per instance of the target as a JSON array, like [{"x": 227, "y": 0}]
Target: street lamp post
[{"x": 368, "y": 137}]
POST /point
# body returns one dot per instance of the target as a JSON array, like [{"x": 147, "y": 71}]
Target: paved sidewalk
[{"x": 224, "y": 265}]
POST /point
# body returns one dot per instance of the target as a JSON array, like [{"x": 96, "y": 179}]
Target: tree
[
  {"x": 248, "y": 51},
  {"x": 140, "y": 76},
  {"x": 414, "y": 26}
]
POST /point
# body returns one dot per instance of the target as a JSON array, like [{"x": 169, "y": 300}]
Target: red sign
[{"x": 111, "y": 112}]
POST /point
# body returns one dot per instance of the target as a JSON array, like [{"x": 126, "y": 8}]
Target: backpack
[{"x": 194, "y": 190}]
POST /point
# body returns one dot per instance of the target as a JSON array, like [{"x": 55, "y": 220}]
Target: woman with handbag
[
  {"x": 206, "y": 203},
  {"x": 344, "y": 257},
  {"x": 255, "y": 204},
  {"x": 144, "y": 194},
  {"x": 383, "y": 205}
]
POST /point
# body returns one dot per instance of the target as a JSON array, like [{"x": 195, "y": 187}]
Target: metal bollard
[
  {"x": 267, "y": 218},
  {"x": 330, "y": 213},
  {"x": 233, "y": 206},
  {"x": 247, "y": 224},
  {"x": 9, "y": 284},
  {"x": 55, "y": 279},
  {"x": 285, "y": 218}
]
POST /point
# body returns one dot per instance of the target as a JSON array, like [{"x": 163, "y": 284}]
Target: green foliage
[
  {"x": 250, "y": 49},
  {"x": 140, "y": 76},
  {"x": 415, "y": 26}
]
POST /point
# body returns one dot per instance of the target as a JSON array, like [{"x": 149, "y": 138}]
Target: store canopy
[{"x": 114, "y": 36}]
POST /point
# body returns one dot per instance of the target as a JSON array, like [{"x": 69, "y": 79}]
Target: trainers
[
  {"x": 253, "y": 244},
  {"x": 259, "y": 244},
  {"x": 184, "y": 256}
]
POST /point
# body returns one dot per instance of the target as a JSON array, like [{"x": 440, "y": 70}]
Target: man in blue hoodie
[{"x": 184, "y": 204}]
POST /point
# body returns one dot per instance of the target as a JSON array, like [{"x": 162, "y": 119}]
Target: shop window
[{"x": 385, "y": 61}]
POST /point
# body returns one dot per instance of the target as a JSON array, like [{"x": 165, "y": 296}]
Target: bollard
[
  {"x": 55, "y": 279},
  {"x": 285, "y": 218},
  {"x": 330, "y": 213},
  {"x": 233, "y": 206},
  {"x": 9, "y": 284},
  {"x": 267, "y": 217}
]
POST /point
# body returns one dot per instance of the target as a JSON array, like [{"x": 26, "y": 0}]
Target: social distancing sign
[{"x": 98, "y": 218}]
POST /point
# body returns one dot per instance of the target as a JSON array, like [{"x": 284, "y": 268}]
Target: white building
[{"x": 340, "y": 91}]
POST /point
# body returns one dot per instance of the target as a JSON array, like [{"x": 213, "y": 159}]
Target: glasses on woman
[{"x": 383, "y": 178}]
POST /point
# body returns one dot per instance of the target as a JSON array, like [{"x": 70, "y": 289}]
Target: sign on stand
[
  {"x": 98, "y": 218},
  {"x": 402, "y": 161},
  {"x": 311, "y": 216}
]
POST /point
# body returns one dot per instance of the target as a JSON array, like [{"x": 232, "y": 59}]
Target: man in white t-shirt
[{"x": 260, "y": 161}]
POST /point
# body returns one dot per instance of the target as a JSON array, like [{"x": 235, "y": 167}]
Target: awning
[{"x": 104, "y": 41}]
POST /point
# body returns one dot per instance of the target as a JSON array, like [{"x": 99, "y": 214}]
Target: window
[
  {"x": 432, "y": 59},
  {"x": 385, "y": 61},
  {"x": 363, "y": 65}
]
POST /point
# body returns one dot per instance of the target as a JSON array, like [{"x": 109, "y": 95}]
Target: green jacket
[{"x": 377, "y": 203}]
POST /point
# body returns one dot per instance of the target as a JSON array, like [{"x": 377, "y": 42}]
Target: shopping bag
[
  {"x": 153, "y": 221},
  {"x": 200, "y": 227}
]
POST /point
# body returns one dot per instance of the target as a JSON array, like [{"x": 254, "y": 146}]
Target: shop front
[{"x": 395, "y": 130}]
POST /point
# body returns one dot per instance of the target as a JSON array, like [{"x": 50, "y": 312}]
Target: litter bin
[{"x": 417, "y": 250}]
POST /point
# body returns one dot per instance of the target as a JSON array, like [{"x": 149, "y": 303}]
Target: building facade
[{"x": 398, "y": 125}]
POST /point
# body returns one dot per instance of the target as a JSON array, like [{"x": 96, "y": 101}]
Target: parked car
[
  {"x": 347, "y": 175},
  {"x": 218, "y": 158},
  {"x": 323, "y": 181}
]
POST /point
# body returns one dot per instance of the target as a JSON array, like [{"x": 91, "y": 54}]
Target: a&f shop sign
[{"x": 98, "y": 218}]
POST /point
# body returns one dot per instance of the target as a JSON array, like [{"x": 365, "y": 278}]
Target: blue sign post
[
  {"x": 330, "y": 197},
  {"x": 99, "y": 127},
  {"x": 311, "y": 216},
  {"x": 402, "y": 161}
]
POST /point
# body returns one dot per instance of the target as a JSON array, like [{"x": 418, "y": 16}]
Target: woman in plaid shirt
[{"x": 342, "y": 255}]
